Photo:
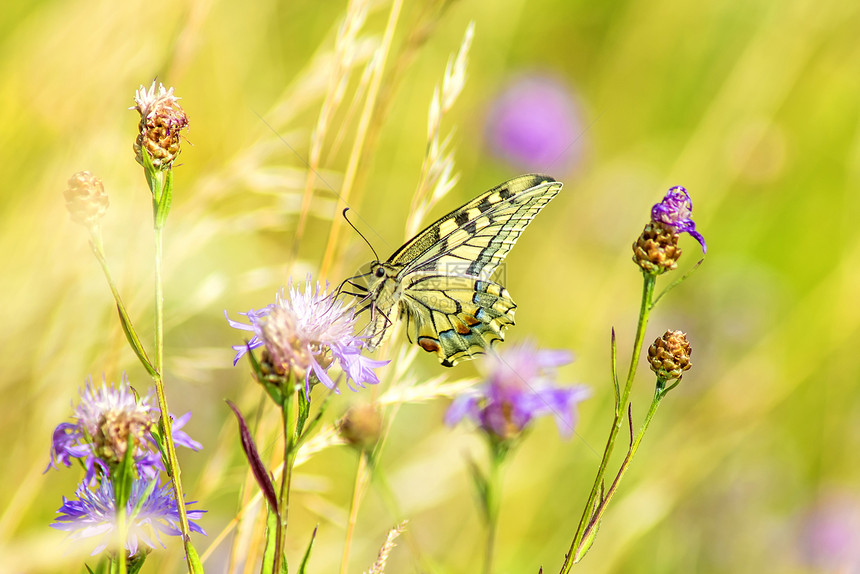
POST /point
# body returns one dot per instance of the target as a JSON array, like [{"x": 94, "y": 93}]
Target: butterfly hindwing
[{"x": 440, "y": 280}]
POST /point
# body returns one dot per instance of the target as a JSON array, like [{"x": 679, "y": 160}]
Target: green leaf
[
  {"x": 153, "y": 175},
  {"x": 303, "y": 566},
  {"x": 135, "y": 563},
  {"x": 194, "y": 559},
  {"x": 136, "y": 345},
  {"x": 162, "y": 205},
  {"x": 268, "y": 564}
]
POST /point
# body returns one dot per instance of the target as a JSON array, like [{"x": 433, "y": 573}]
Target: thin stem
[
  {"x": 170, "y": 447},
  {"x": 644, "y": 312},
  {"x": 354, "y": 503},
  {"x": 601, "y": 509},
  {"x": 289, "y": 424},
  {"x": 98, "y": 250},
  {"x": 493, "y": 495},
  {"x": 122, "y": 537}
]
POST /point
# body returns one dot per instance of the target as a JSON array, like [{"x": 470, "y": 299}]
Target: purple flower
[
  {"x": 535, "y": 125},
  {"x": 676, "y": 210},
  {"x": 109, "y": 420},
  {"x": 305, "y": 333},
  {"x": 93, "y": 515},
  {"x": 519, "y": 387}
]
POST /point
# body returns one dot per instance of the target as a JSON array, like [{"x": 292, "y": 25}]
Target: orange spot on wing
[{"x": 428, "y": 344}]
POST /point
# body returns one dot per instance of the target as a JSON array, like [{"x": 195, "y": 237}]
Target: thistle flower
[
  {"x": 110, "y": 421},
  {"x": 86, "y": 199},
  {"x": 93, "y": 515},
  {"x": 519, "y": 387},
  {"x": 161, "y": 121},
  {"x": 534, "y": 124},
  {"x": 676, "y": 211},
  {"x": 669, "y": 356},
  {"x": 304, "y": 333}
]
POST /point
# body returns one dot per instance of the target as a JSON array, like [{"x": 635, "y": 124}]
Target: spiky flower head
[
  {"x": 676, "y": 211},
  {"x": 161, "y": 121},
  {"x": 86, "y": 199},
  {"x": 109, "y": 422},
  {"x": 669, "y": 356},
  {"x": 304, "y": 333},
  {"x": 361, "y": 426},
  {"x": 519, "y": 387},
  {"x": 151, "y": 510}
]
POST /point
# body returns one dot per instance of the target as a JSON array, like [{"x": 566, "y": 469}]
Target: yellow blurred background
[{"x": 751, "y": 464}]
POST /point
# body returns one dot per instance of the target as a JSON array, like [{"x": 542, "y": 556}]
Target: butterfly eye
[{"x": 380, "y": 272}]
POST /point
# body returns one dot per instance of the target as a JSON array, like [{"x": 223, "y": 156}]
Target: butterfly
[{"x": 440, "y": 280}]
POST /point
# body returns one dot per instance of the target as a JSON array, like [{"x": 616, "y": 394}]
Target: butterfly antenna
[{"x": 375, "y": 256}]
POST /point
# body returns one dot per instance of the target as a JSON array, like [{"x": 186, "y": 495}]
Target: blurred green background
[{"x": 750, "y": 466}]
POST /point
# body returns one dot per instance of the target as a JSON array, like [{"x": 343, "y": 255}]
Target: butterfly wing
[{"x": 451, "y": 305}]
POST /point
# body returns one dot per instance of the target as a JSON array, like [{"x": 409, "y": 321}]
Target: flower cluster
[
  {"x": 151, "y": 509},
  {"x": 109, "y": 421},
  {"x": 519, "y": 387},
  {"x": 304, "y": 333}
]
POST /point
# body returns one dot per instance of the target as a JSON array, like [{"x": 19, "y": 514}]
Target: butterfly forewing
[{"x": 441, "y": 278}]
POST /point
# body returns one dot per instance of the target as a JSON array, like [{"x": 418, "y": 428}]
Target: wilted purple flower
[
  {"x": 304, "y": 333},
  {"x": 519, "y": 387},
  {"x": 676, "y": 210},
  {"x": 109, "y": 420},
  {"x": 93, "y": 515},
  {"x": 535, "y": 125}
]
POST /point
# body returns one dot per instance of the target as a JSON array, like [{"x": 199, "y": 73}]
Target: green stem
[
  {"x": 491, "y": 502},
  {"x": 634, "y": 446},
  {"x": 620, "y": 406},
  {"x": 170, "y": 447},
  {"x": 289, "y": 429}
]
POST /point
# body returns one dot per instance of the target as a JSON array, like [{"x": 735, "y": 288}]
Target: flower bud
[
  {"x": 161, "y": 120},
  {"x": 669, "y": 356},
  {"x": 86, "y": 199},
  {"x": 656, "y": 249},
  {"x": 361, "y": 426}
]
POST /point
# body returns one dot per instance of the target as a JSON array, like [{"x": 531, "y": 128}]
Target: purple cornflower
[
  {"x": 519, "y": 387},
  {"x": 93, "y": 515},
  {"x": 676, "y": 210},
  {"x": 304, "y": 333},
  {"x": 109, "y": 420},
  {"x": 534, "y": 124}
]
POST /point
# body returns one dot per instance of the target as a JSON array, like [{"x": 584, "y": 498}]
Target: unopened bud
[
  {"x": 86, "y": 199},
  {"x": 669, "y": 356},
  {"x": 361, "y": 426},
  {"x": 656, "y": 249}
]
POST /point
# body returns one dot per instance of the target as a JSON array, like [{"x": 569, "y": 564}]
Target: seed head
[
  {"x": 86, "y": 199},
  {"x": 161, "y": 121},
  {"x": 669, "y": 356}
]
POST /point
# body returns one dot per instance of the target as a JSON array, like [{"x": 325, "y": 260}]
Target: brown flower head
[
  {"x": 361, "y": 426},
  {"x": 656, "y": 249},
  {"x": 669, "y": 356},
  {"x": 161, "y": 121},
  {"x": 86, "y": 199}
]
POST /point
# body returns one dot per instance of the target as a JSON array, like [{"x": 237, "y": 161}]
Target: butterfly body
[{"x": 439, "y": 281}]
